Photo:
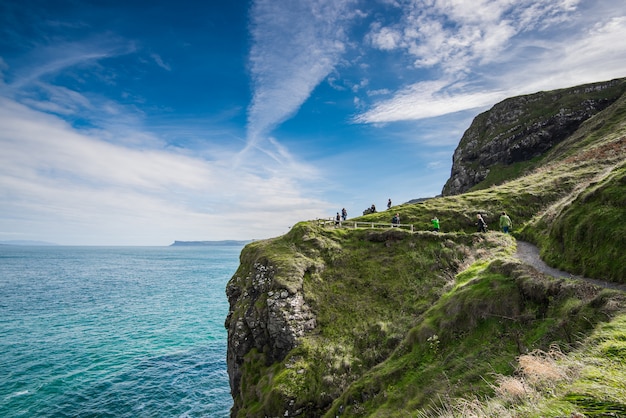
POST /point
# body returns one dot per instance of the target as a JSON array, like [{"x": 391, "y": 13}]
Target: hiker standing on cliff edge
[{"x": 505, "y": 222}]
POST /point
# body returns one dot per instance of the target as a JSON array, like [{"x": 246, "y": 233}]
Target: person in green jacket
[
  {"x": 505, "y": 222},
  {"x": 435, "y": 223}
]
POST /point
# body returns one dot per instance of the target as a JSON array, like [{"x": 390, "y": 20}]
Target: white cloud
[
  {"x": 159, "y": 61},
  {"x": 593, "y": 53},
  {"x": 58, "y": 99},
  {"x": 295, "y": 46},
  {"x": 379, "y": 92},
  {"x": 48, "y": 60},
  {"x": 454, "y": 34},
  {"x": 426, "y": 100},
  {"x": 488, "y": 43},
  {"x": 67, "y": 186},
  {"x": 386, "y": 39},
  {"x": 117, "y": 183}
]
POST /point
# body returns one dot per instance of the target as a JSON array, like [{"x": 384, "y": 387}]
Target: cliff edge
[{"x": 354, "y": 321}]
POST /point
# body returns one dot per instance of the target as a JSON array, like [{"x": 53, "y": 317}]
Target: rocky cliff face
[
  {"x": 266, "y": 316},
  {"x": 522, "y": 128}
]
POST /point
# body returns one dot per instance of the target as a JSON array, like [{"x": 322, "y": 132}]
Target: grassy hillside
[
  {"x": 465, "y": 345},
  {"x": 585, "y": 232},
  {"x": 451, "y": 324},
  {"x": 513, "y": 137},
  {"x": 572, "y": 205}
]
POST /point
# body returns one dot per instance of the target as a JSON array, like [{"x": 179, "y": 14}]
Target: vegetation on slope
[
  {"x": 512, "y": 138},
  {"x": 588, "y": 382},
  {"x": 469, "y": 339},
  {"x": 585, "y": 232},
  {"x": 572, "y": 206},
  {"x": 367, "y": 290},
  {"x": 449, "y": 324}
]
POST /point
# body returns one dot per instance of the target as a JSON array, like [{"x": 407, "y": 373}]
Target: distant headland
[
  {"x": 208, "y": 243},
  {"x": 27, "y": 242}
]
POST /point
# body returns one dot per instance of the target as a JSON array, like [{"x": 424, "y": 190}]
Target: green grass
[
  {"x": 480, "y": 328},
  {"x": 588, "y": 381},
  {"x": 590, "y": 235},
  {"x": 438, "y": 324},
  {"x": 369, "y": 292},
  {"x": 500, "y": 173}
]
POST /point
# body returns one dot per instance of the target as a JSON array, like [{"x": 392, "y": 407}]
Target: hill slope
[
  {"x": 513, "y": 136},
  {"x": 386, "y": 322}
]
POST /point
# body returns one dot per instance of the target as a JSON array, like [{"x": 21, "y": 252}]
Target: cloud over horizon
[
  {"x": 123, "y": 125},
  {"x": 85, "y": 183}
]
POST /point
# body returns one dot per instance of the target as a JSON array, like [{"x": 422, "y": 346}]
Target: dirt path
[{"x": 529, "y": 254}]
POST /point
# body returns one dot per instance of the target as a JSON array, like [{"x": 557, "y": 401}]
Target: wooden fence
[{"x": 361, "y": 224}]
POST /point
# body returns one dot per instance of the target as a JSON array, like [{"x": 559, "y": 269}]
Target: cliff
[
  {"x": 521, "y": 129},
  {"x": 348, "y": 321}
]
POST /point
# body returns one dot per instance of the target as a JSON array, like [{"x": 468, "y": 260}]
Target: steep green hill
[
  {"x": 513, "y": 137},
  {"x": 386, "y": 322}
]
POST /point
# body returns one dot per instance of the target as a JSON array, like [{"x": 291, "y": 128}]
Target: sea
[{"x": 114, "y": 331}]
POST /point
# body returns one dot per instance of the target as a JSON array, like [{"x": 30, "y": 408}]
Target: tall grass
[
  {"x": 583, "y": 383},
  {"x": 589, "y": 238}
]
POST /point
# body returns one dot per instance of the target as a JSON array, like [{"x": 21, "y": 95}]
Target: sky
[{"x": 141, "y": 123}]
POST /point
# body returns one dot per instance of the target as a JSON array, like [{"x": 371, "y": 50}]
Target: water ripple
[{"x": 114, "y": 332}]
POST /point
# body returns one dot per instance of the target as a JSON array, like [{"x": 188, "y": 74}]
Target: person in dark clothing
[
  {"x": 344, "y": 214},
  {"x": 482, "y": 225}
]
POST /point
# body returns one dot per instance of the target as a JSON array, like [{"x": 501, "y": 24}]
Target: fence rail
[{"x": 361, "y": 224}]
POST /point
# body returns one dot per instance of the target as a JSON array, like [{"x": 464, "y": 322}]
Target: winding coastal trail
[{"x": 529, "y": 254}]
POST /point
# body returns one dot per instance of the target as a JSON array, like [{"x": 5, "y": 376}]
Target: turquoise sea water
[{"x": 114, "y": 331}]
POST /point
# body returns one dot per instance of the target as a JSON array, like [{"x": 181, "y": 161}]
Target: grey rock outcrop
[
  {"x": 263, "y": 316},
  {"x": 525, "y": 127}
]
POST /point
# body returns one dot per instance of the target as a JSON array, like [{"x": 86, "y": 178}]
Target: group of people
[
  {"x": 343, "y": 216},
  {"x": 372, "y": 209},
  {"x": 505, "y": 220},
  {"x": 505, "y": 223}
]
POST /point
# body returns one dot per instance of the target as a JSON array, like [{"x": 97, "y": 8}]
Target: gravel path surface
[{"x": 529, "y": 254}]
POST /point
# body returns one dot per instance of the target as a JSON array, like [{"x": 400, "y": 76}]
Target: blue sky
[{"x": 141, "y": 123}]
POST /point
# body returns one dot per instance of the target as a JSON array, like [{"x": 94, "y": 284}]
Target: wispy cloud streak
[
  {"x": 44, "y": 61},
  {"x": 426, "y": 100},
  {"x": 295, "y": 45}
]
